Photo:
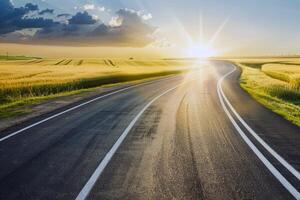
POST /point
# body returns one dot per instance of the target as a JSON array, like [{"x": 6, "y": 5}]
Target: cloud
[
  {"x": 89, "y": 7},
  {"x": 129, "y": 29},
  {"x": 160, "y": 41},
  {"x": 147, "y": 16},
  {"x": 101, "y": 8},
  {"x": 126, "y": 28},
  {"x": 35, "y": 23},
  {"x": 82, "y": 18},
  {"x": 63, "y": 15},
  {"x": 31, "y": 7},
  {"x": 132, "y": 27},
  {"x": 14, "y": 19},
  {"x": 115, "y": 21},
  {"x": 46, "y": 11}
]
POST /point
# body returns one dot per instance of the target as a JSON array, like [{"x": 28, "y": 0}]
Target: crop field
[
  {"x": 275, "y": 83},
  {"x": 26, "y": 81}
]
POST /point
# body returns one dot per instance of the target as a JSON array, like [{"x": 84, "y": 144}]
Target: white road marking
[
  {"x": 265, "y": 161},
  {"x": 91, "y": 182},
  {"x": 260, "y": 140},
  {"x": 75, "y": 107}
]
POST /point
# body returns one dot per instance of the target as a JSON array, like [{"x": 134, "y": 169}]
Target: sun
[{"x": 200, "y": 51}]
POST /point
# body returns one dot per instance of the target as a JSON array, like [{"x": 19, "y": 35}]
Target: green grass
[
  {"x": 285, "y": 93},
  {"x": 4, "y": 57},
  {"x": 28, "y": 82},
  {"x": 274, "y": 85}
]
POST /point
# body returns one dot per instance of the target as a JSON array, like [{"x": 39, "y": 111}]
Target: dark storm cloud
[
  {"x": 35, "y": 23},
  {"x": 102, "y": 29},
  {"x": 126, "y": 28},
  {"x": 63, "y": 15},
  {"x": 82, "y": 18},
  {"x": 46, "y": 11},
  {"x": 31, "y": 7},
  {"x": 14, "y": 19},
  {"x": 132, "y": 24}
]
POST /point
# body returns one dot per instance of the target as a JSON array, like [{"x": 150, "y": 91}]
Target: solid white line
[
  {"x": 91, "y": 182},
  {"x": 259, "y": 139},
  {"x": 264, "y": 160},
  {"x": 75, "y": 107}
]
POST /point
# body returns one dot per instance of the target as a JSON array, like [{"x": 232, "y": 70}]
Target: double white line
[{"x": 224, "y": 101}]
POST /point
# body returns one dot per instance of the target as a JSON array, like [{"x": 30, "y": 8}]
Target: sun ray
[
  {"x": 201, "y": 29},
  {"x": 217, "y": 33}
]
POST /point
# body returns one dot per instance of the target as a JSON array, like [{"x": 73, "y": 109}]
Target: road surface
[{"x": 193, "y": 136}]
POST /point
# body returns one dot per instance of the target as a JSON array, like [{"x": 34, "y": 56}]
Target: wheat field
[
  {"x": 288, "y": 73},
  {"x": 23, "y": 81},
  {"x": 275, "y": 83}
]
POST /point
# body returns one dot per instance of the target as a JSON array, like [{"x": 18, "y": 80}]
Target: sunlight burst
[{"x": 200, "y": 51}]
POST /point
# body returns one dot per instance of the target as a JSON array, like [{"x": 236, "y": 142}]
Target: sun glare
[{"x": 200, "y": 51}]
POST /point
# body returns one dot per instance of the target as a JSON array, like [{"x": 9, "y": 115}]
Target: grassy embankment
[
  {"x": 26, "y": 82},
  {"x": 275, "y": 83}
]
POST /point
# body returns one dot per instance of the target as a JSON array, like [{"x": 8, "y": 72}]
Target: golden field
[
  {"x": 275, "y": 83},
  {"x": 25, "y": 81}
]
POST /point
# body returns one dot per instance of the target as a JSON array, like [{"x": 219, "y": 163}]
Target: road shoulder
[
  {"x": 279, "y": 133},
  {"x": 58, "y": 104}
]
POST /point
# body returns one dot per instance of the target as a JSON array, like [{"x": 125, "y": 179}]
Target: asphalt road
[{"x": 193, "y": 136}]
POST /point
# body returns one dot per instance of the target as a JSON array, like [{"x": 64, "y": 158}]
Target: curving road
[{"x": 193, "y": 136}]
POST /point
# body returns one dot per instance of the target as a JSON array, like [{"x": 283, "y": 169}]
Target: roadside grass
[
  {"x": 28, "y": 82},
  {"x": 274, "y": 85},
  {"x": 5, "y": 57}
]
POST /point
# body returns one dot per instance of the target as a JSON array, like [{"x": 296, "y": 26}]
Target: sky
[{"x": 150, "y": 27}]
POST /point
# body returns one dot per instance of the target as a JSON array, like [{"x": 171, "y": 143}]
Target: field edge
[
  {"x": 272, "y": 103},
  {"x": 23, "y": 110}
]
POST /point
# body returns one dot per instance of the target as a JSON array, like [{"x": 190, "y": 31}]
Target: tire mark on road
[{"x": 176, "y": 171}]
